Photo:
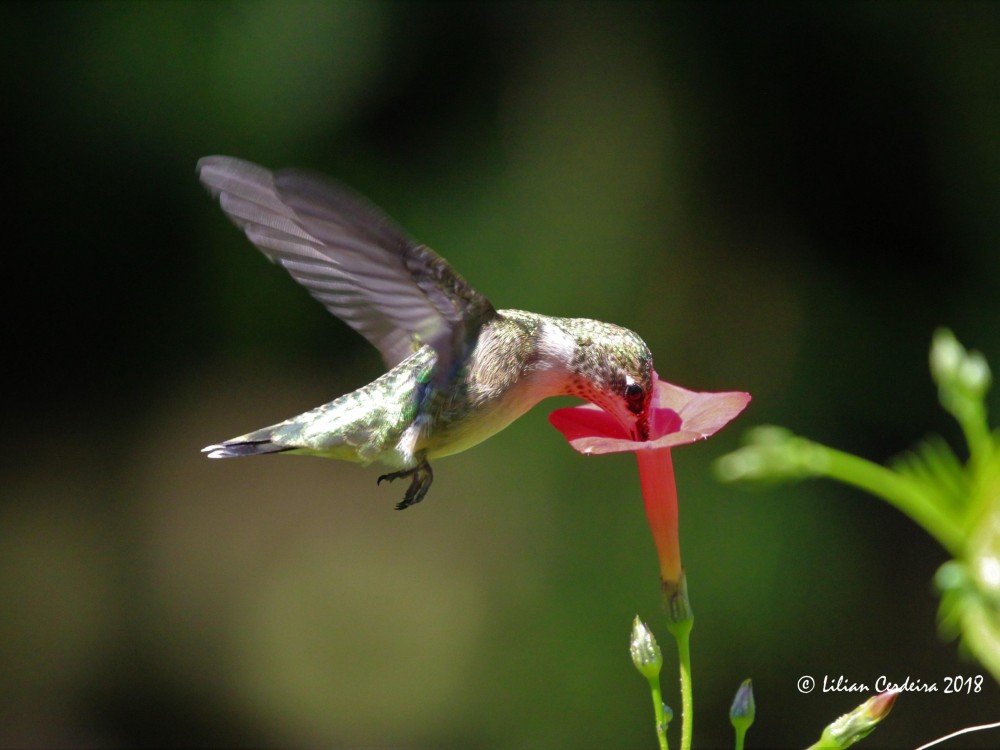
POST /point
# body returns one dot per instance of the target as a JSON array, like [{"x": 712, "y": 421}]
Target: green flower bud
[
  {"x": 946, "y": 356},
  {"x": 958, "y": 373},
  {"x": 974, "y": 374},
  {"x": 859, "y": 723},
  {"x": 645, "y": 651}
]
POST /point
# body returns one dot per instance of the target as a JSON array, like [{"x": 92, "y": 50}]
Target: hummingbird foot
[{"x": 421, "y": 478}]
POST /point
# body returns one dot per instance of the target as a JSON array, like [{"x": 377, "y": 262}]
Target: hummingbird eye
[{"x": 635, "y": 396}]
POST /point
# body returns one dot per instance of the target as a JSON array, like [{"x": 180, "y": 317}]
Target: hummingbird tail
[{"x": 240, "y": 448}]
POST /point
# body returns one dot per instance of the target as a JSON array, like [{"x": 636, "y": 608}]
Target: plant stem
[
  {"x": 887, "y": 484},
  {"x": 681, "y": 630},
  {"x": 661, "y": 719}
]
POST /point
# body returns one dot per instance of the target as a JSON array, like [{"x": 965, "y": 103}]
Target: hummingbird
[{"x": 458, "y": 370}]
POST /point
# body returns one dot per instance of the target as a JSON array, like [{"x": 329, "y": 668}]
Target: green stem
[
  {"x": 887, "y": 484},
  {"x": 977, "y": 435},
  {"x": 661, "y": 719},
  {"x": 741, "y": 733},
  {"x": 681, "y": 630}
]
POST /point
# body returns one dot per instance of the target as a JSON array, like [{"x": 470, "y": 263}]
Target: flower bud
[
  {"x": 646, "y": 654},
  {"x": 946, "y": 355},
  {"x": 668, "y": 715},
  {"x": 770, "y": 453},
  {"x": 743, "y": 710},
  {"x": 974, "y": 375},
  {"x": 859, "y": 723},
  {"x": 958, "y": 373}
]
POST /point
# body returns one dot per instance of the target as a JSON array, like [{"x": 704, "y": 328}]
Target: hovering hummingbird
[{"x": 459, "y": 370}]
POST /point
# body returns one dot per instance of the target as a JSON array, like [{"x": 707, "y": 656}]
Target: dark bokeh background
[{"x": 784, "y": 199}]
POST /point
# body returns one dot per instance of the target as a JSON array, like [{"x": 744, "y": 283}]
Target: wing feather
[{"x": 352, "y": 258}]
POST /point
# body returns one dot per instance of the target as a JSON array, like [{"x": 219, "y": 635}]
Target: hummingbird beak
[{"x": 640, "y": 430}]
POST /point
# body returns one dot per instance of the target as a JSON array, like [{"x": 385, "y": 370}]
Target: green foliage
[{"x": 956, "y": 502}]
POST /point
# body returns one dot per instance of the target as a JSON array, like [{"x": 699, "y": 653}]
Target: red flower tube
[
  {"x": 677, "y": 417},
  {"x": 659, "y": 494}
]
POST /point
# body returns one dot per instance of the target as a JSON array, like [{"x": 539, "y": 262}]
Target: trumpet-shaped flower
[{"x": 677, "y": 417}]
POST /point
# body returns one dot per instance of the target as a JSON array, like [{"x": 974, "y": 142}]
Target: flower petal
[
  {"x": 586, "y": 421},
  {"x": 702, "y": 414},
  {"x": 677, "y": 417}
]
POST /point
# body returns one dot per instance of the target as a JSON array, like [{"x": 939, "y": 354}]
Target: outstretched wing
[{"x": 396, "y": 293}]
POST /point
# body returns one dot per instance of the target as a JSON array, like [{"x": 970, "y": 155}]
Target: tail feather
[{"x": 239, "y": 448}]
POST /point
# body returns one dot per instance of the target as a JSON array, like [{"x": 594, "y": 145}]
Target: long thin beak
[{"x": 640, "y": 430}]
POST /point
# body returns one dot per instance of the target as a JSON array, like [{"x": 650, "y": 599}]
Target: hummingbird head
[{"x": 613, "y": 368}]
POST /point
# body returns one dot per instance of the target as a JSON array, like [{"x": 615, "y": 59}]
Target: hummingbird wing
[{"x": 351, "y": 257}]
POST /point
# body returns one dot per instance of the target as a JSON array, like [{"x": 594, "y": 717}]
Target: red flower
[{"x": 677, "y": 417}]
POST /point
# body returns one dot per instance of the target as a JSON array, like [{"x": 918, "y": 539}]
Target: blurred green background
[{"x": 783, "y": 199}]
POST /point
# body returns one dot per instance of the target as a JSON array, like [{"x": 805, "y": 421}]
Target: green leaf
[{"x": 934, "y": 466}]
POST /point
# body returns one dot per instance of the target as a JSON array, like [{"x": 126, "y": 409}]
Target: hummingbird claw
[{"x": 422, "y": 476}]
